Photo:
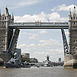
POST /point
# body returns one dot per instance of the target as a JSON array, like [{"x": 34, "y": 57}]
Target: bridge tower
[
  {"x": 70, "y": 59},
  {"x": 5, "y": 19},
  {"x": 5, "y": 32}
]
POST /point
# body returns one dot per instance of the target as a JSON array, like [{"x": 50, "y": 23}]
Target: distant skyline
[{"x": 40, "y": 43}]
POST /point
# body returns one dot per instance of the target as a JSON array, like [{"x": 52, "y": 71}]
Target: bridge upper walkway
[{"x": 39, "y": 25}]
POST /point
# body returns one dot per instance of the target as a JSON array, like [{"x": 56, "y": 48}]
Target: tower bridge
[{"x": 9, "y": 31}]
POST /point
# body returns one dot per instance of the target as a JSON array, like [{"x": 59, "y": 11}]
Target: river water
[{"x": 38, "y": 72}]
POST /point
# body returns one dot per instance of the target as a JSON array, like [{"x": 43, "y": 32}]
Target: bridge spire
[
  {"x": 69, "y": 13},
  {"x": 12, "y": 17},
  {"x": 6, "y": 11},
  {"x": 0, "y": 12}
]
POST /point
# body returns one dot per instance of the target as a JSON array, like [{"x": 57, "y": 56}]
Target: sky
[{"x": 43, "y": 42}]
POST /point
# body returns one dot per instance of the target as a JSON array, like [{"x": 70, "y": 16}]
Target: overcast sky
[{"x": 40, "y": 43}]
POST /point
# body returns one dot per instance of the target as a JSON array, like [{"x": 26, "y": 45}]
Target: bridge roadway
[{"x": 39, "y": 25}]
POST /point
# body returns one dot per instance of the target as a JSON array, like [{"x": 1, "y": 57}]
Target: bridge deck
[{"x": 40, "y": 25}]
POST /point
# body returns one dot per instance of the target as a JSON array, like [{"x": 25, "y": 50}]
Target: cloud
[
  {"x": 63, "y": 7},
  {"x": 34, "y": 36},
  {"x": 44, "y": 45},
  {"x": 26, "y": 3},
  {"x": 50, "y": 51},
  {"x": 26, "y": 33},
  {"x": 43, "y": 17},
  {"x": 14, "y": 4},
  {"x": 55, "y": 16},
  {"x": 26, "y": 47},
  {"x": 49, "y": 43},
  {"x": 43, "y": 31},
  {"x": 28, "y": 18}
]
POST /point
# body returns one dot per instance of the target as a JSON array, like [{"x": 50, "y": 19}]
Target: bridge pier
[
  {"x": 5, "y": 56},
  {"x": 70, "y": 61}
]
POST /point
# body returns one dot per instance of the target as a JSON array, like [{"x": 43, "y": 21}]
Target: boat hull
[{"x": 8, "y": 65}]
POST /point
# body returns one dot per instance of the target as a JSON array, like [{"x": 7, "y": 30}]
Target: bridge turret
[
  {"x": 70, "y": 59},
  {"x": 72, "y": 31},
  {"x": 5, "y": 31},
  {"x": 70, "y": 16},
  {"x": 74, "y": 13},
  {"x": 0, "y": 14}
]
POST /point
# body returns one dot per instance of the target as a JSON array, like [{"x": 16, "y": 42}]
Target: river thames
[{"x": 38, "y": 72}]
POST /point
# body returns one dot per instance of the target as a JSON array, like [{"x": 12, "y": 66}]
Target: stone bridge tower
[
  {"x": 70, "y": 59},
  {"x": 5, "y": 19}
]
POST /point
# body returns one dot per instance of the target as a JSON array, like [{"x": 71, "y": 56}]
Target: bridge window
[
  {"x": 2, "y": 40},
  {"x": 74, "y": 52},
  {"x": 74, "y": 17},
  {"x": 74, "y": 23},
  {"x": 74, "y": 41},
  {"x": 1, "y": 46},
  {"x": 73, "y": 47}
]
